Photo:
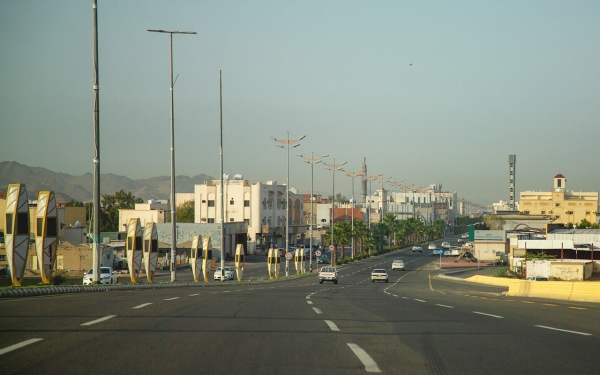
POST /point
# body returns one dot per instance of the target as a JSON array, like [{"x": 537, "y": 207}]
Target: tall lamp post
[
  {"x": 352, "y": 174},
  {"x": 371, "y": 179},
  {"x": 381, "y": 198},
  {"x": 173, "y": 203},
  {"x": 312, "y": 161},
  {"x": 287, "y": 142},
  {"x": 333, "y": 167}
]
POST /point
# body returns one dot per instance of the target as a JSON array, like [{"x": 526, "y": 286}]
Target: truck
[{"x": 328, "y": 274}]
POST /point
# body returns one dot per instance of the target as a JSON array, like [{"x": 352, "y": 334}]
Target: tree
[
  {"x": 494, "y": 222},
  {"x": 343, "y": 233},
  {"x": 339, "y": 198},
  {"x": 185, "y": 212},
  {"x": 379, "y": 234},
  {"x": 584, "y": 224},
  {"x": 111, "y": 204},
  {"x": 361, "y": 231}
]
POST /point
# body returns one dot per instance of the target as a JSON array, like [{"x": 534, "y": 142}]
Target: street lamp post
[
  {"x": 333, "y": 167},
  {"x": 312, "y": 161},
  {"x": 352, "y": 174},
  {"x": 287, "y": 142},
  {"x": 173, "y": 203}
]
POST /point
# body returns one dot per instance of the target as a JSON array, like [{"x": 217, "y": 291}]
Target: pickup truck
[{"x": 328, "y": 274}]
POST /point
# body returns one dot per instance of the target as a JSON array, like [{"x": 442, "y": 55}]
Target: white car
[
  {"x": 228, "y": 274},
  {"x": 432, "y": 246},
  {"x": 418, "y": 248},
  {"x": 379, "y": 274},
  {"x": 445, "y": 245},
  {"x": 465, "y": 235},
  {"x": 398, "y": 265},
  {"x": 107, "y": 276}
]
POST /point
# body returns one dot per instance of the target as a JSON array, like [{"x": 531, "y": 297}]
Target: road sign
[
  {"x": 289, "y": 255},
  {"x": 331, "y": 247},
  {"x": 318, "y": 253}
]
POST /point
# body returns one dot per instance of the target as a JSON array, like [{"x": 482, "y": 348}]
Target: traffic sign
[
  {"x": 331, "y": 247},
  {"x": 289, "y": 255},
  {"x": 318, "y": 253}
]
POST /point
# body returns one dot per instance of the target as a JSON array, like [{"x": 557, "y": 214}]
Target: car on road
[
  {"x": 379, "y": 274},
  {"x": 328, "y": 274},
  {"x": 455, "y": 250},
  {"x": 322, "y": 259},
  {"x": 445, "y": 245},
  {"x": 107, "y": 276},
  {"x": 227, "y": 276},
  {"x": 538, "y": 278},
  {"x": 417, "y": 247},
  {"x": 465, "y": 235},
  {"x": 432, "y": 246},
  {"x": 460, "y": 240},
  {"x": 398, "y": 264},
  {"x": 436, "y": 251},
  {"x": 447, "y": 253}
]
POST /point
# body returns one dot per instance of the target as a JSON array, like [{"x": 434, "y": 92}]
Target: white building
[
  {"x": 152, "y": 211},
  {"x": 261, "y": 206}
]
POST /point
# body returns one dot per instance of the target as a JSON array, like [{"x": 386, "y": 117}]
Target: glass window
[
  {"x": 22, "y": 223},
  {"x": 9, "y": 223},
  {"x": 211, "y": 203},
  {"x": 40, "y": 227},
  {"x": 51, "y": 227},
  {"x": 246, "y": 203},
  {"x": 211, "y": 220}
]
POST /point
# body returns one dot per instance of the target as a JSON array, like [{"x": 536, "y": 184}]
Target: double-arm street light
[
  {"x": 312, "y": 161},
  {"x": 173, "y": 203},
  {"x": 352, "y": 174},
  {"x": 333, "y": 167},
  {"x": 287, "y": 142}
]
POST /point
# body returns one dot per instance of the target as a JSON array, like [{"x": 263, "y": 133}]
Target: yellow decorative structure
[
  {"x": 16, "y": 231},
  {"x": 134, "y": 248},
  {"x": 273, "y": 263},
  {"x": 302, "y": 262},
  {"x": 150, "y": 250},
  {"x": 196, "y": 257},
  {"x": 240, "y": 259},
  {"x": 298, "y": 260},
  {"x": 207, "y": 257},
  {"x": 46, "y": 234}
]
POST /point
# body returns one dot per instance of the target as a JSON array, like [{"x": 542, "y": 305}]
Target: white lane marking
[
  {"x": 332, "y": 325},
  {"x": 420, "y": 300},
  {"x": 99, "y": 320},
  {"x": 394, "y": 295},
  {"x": 450, "y": 307},
  {"x": 143, "y": 305},
  {"x": 227, "y": 291},
  {"x": 171, "y": 299},
  {"x": 566, "y": 330},
  {"x": 317, "y": 310},
  {"x": 366, "y": 359},
  {"x": 307, "y": 297},
  {"x": 493, "y": 316},
  {"x": 309, "y": 302},
  {"x": 405, "y": 297},
  {"x": 18, "y": 346},
  {"x": 191, "y": 295}
]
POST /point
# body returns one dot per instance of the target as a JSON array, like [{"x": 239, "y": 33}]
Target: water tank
[
  {"x": 152, "y": 201},
  {"x": 225, "y": 176},
  {"x": 238, "y": 177}
]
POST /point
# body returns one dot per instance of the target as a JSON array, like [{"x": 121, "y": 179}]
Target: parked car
[
  {"x": 417, "y": 247},
  {"x": 107, "y": 276},
  {"x": 379, "y": 274},
  {"x": 445, "y": 245},
  {"x": 228, "y": 274},
  {"x": 398, "y": 264}
]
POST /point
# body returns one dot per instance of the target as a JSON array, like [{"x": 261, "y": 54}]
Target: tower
[
  {"x": 512, "y": 164},
  {"x": 363, "y": 187}
]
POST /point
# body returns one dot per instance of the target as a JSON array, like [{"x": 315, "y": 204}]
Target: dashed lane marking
[
  {"x": 317, "y": 310},
  {"x": 143, "y": 305},
  {"x": 99, "y": 320},
  {"x": 332, "y": 325},
  {"x": 492, "y": 315},
  {"x": 18, "y": 346},
  {"x": 565, "y": 330},
  {"x": 192, "y": 295},
  {"x": 577, "y": 308},
  {"x": 450, "y": 307},
  {"x": 367, "y": 361},
  {"x": 171, "y": 299},
  {"x": 420, "y": 300},
  {"x": 309, "y": 302}
]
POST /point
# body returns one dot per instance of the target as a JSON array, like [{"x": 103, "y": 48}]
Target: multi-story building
[
  {"x": 262, "y": 206},
  {"x": 565, "y": 206},
  {"x": 153, "y": 211}
]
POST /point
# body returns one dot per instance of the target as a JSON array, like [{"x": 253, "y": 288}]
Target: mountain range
[{"x": 80, "y": 188}]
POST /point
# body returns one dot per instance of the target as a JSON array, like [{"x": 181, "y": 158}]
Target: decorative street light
[
  {"x": 312, "y": 161},
  {"x": 352, "y": 174},
  {"x": 287, "y": 142},
  {"x": 173, "y": 203},
  {"x": 333, "y": 167}
]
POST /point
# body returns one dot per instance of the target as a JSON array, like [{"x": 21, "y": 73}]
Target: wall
[
  {"x": 570, "y": 271},
  {"x": 487, "y": 250},
  {"x": 537, "y": 268}
]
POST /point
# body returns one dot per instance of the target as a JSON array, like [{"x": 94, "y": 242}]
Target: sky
[{"x": 427, "y": 91}]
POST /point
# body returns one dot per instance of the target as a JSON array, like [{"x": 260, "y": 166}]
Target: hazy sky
[{"x": 489, "y": 78}]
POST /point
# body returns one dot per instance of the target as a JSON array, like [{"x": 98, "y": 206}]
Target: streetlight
[
  {"x": 371, "y": 178},
  {"x": 287, "y": 142},
  {"x": 312, "y": 161},
  {"x": 333, "y": 167},
  {"x": 173, "y": 203},
  {"x": 352, "y": 174},
  {"x": 381, "y": 197}
]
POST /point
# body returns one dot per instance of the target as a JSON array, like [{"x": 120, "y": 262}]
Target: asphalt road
[{"x": 417, "y": 323}]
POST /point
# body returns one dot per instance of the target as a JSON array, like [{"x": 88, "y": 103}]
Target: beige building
[
  {"x": 262, "y": 206},
  {"x": 151, "y": 212},
  {"x": 563, "y": 205}
]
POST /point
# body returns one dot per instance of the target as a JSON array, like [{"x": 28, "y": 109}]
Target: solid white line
[
  {"x": 317, "y": 310},
  {"x": 191, "y": 295},
  {"x": 566, "y": 330},
  {"x": 309, "y": 302},
  {"x": 366, "y": 359},
  {"x": 420, "y": 300},
  {"x": 493, "y": 316},
  {"x": 450, "y": 307},
  {"x": 99, "y": 320},
  {"x": 332, "y": 325},
  {"x": 19, "y": 345},
  {"x": 143, "y": 305},
  {"x": 171, "y": 299}
]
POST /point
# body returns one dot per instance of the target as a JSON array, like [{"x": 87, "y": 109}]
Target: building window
[
  {"x": 558, "y": 182},
  {"x": 211, "y": 221},
  {"x": 211, "y": 203},
  {"x": 231, "y": 202},
  {"x": 2, "y": 258},
  {"x": 550, "y": 211},
  {"x": 246, "y": 203},
  {"x": 557, "y": 204},
  {"x": 543, "y": 212},
  {"x": 203, "y": 200},
  {"x": 247, "y": 221},
  {"x": 230, "y": 219},
  {"x": 526, "y": 212}
]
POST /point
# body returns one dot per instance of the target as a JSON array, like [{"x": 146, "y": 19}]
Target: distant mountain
[{"x": 80, "y": 188}]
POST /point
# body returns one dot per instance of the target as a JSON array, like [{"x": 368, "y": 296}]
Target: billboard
[{"x": 490, "y": 236}]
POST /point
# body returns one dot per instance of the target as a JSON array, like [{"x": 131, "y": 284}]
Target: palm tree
[
  {"x": 342, "y": 232},
  {"x": 380, "y": 230},
  {"x": 392, "y": 225},
  {"x": 361, "y": 231}
]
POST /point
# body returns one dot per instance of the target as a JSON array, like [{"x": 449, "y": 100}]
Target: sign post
[{"x": 288, "y": 257}]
